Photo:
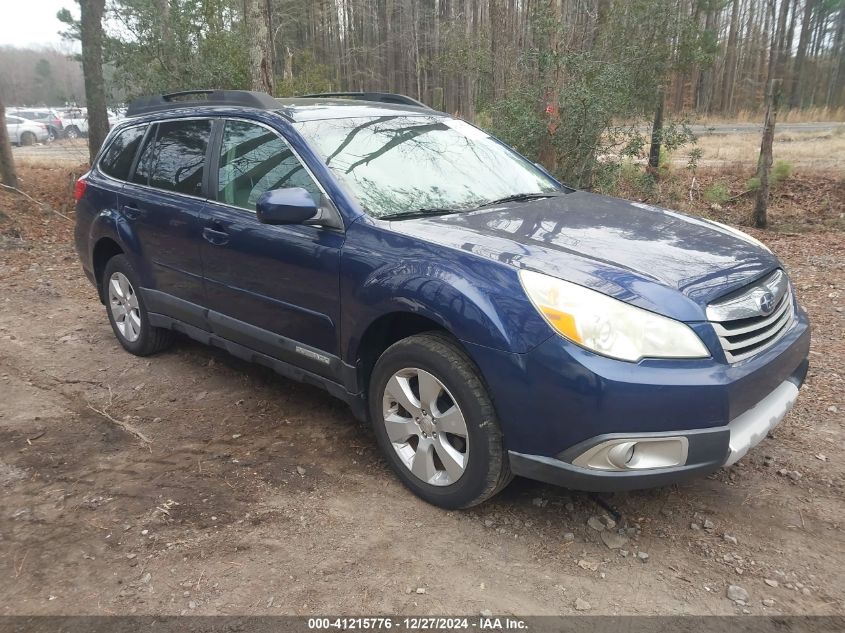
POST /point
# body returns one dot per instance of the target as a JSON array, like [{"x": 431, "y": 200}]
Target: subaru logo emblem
[{"x": 767, "y": 303}]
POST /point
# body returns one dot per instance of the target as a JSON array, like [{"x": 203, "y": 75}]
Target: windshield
[{"x": 394, "y": 164}]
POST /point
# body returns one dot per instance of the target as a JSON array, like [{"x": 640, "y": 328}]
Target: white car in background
[
  {"x": 22, "y": 131},
  {"x": 46, "y": 116},
  {"x": 75, "y": 120}
]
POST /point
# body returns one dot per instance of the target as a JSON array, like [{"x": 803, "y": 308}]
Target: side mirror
[{"x": 285, "y": 206}]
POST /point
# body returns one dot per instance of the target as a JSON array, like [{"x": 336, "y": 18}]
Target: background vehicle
[
  {"x": 48, "y": 117},
  {"x": 22, "y": 131},
  {"x": 75, "y": 120},
  {"x": 486, "y": 319}
]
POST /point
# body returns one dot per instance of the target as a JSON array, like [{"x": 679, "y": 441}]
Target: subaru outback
[{"x": 487, "y": 320}]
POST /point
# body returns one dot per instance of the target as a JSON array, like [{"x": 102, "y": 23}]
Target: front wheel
[
  {"x": 72, "y": 132},
  {"x": 28, "y": 138},
  {"x": 435, "y": 422}
]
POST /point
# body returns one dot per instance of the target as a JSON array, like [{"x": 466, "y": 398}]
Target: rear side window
[
  {"x": 178, "y": 156},
  {"x": 117, "y": 161}
]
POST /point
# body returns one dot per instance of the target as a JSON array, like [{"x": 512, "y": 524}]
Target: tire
[
  {"x": 28, "y": 138},
  {"x": 72, "y": 132},
  {"x": 133, "y": 331},
  {"x": 52, "y": 134},
  {"x": 456, "y": 471}
]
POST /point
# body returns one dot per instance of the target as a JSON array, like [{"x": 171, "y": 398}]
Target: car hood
[{"x": 651, "y": 257}]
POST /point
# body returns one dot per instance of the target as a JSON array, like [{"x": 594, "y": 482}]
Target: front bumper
[
  {"x": 557, "y": 401},
  {"x": 708, "y": 449}
]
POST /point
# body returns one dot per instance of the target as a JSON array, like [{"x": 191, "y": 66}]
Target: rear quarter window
[{"x": 117, "y": 160}]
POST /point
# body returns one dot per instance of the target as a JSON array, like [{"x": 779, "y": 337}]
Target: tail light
[{"x": 79, "y": 189}]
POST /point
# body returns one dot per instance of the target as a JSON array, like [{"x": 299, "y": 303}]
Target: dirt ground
[{"x": 257, "y": 495}]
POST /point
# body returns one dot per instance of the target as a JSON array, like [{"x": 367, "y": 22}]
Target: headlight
[{"x": 606, "y": 325}]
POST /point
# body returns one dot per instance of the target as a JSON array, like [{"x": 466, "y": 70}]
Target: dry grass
[
  {"x": 807, "y": 200},
  {"x": 65, "y": 152},
  {"x": 808, "y": 115},
  {"x": 807, "y": 150}
]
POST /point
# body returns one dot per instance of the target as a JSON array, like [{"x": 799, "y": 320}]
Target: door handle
[
  {"x": 215, "y": 236},
  {"x": 132, "y": 212}
]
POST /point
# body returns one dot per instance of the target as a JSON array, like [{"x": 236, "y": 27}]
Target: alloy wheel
[
  {"x": 426, "y": 427},
  {"x": 123, "y": 304}
]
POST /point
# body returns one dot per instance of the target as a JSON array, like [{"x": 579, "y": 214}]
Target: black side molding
[{"x": 354, "y": 400}]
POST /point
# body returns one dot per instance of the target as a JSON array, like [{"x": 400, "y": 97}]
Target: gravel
[
  {"x": 582, "y": 605},
  {"x": 737, "y": 594},
  {"x": 613, "y": 540}
]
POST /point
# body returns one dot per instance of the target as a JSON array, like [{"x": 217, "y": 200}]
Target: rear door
[
  {"x": 163, "y": 203},
  {"x": 271, "y": 288}
]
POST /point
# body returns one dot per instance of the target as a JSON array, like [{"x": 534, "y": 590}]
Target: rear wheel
[
  {"x": 435, "y": 422},
  {"x": 72, "y": 132},
  {"x": 128, "y": 313},
  {"x": 28, "y": 138}
]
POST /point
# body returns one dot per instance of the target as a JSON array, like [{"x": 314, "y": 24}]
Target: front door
[{"x": 272, "y": 288}]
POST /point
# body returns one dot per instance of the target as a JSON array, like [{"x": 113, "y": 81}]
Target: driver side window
[{"x": 254, "y": 159}]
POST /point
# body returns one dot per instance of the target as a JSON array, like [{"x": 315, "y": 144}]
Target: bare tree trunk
[
  {"x": 469, "y": 78},
  {"x": 257, "y": 18},
  {"x": 497, "y": 29},
  {"x": 168, "y": 52},
  {"x": 288, "y": 70},
  {"x": 91, "y": 23},
  {"x": 657, "y": 134},
  {"x": 729, "y": 74},
  {"x": 780, "y": 40},
  {"x": 7, "y": 165},
  {"x": 837, "y": 77},
  {"x": 760, "y": 217},
  {"x": 704, "y": 90},
  {"x": 800, "y": 55}
]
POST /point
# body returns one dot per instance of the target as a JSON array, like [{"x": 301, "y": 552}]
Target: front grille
[{"x": 744, "y": 328}]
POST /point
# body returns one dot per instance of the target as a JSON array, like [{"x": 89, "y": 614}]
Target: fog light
[
  {"x": 621, "y": 454},
  {"x": 635, "y": 453}
]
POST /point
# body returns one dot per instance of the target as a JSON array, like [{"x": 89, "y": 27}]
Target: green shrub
[
  {"x": 780, "y": 172},
  {"x": 717, "y": 193}
]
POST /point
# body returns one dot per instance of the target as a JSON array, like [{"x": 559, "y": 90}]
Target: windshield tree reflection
[{"x": 394, "y": 164}]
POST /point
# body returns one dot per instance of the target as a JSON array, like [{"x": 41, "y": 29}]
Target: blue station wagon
[{"x": 487, "y": 320}]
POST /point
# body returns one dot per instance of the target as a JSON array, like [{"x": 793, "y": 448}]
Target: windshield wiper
[
  {"x": 521, "y": 197},
  {"x": 417, "y": 213}
]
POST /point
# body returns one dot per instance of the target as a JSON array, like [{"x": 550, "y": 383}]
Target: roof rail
[
  {"x": 383, "y": 97},
  {"x": 194, "y": 98}
]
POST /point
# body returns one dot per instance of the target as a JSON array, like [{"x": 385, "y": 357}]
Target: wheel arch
[
  {"x": 104, "y": 249},
  {"x": 386, "y": 330}
]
